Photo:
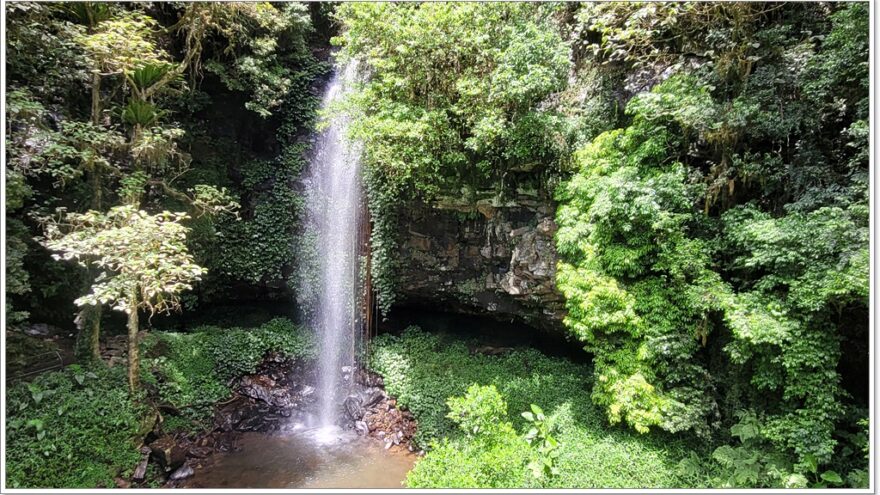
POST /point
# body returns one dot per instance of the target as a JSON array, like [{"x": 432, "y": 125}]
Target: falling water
[{"x": 334, "y": 207}]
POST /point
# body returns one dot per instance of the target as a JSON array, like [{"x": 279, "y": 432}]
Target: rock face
[{"x": 485, "y": 257}]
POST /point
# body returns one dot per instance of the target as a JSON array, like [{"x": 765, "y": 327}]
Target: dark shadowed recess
[{"x": 484, "y": 330}]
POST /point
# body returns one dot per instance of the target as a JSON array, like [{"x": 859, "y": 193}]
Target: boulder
[
  {"x": 167, "y": 453},
  {"x": 368, "y": 378}
]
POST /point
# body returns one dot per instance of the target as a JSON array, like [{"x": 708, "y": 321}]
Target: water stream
[{"x": 334, "y": 205}]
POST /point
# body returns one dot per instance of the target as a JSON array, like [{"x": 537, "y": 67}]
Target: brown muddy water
[{"x": 307, "y": 458}]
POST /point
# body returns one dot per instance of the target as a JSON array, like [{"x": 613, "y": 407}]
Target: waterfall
[{"x": 334, "y": 206}]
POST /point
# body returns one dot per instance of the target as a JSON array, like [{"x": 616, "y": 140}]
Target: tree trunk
[
  {"x": 87, "y": 340},
  {"x": 96, "y": 97},
  {"x": 133, "y": 361}
]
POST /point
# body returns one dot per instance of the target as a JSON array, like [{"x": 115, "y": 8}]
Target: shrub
[
  {"x": 490, "y": 455},
  {"x": 481, "y": 412}
]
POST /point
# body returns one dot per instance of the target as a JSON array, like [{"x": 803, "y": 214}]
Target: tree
[{"x": 142, "y": 258}]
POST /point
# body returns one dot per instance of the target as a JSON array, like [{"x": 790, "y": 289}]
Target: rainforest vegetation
[{"x": 707, "y": 165}]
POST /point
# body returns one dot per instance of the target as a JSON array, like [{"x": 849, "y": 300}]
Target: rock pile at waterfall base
[{"x": 382, "y": 418}]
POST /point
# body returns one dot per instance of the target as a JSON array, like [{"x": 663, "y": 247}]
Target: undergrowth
[
  {"x": 71, "y": 428},
  {"x": 424, "y": 370},
  {"x": 79, "y": 428}
]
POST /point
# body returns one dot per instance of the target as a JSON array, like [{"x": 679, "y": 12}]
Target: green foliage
[
  {"x": 754, "y": 462},
  {"x": 213, "y": 201},
  {"x": 17, "y": 278},
  {"x": 61, "y": 53},
  {"x": 122, "y": 43},
  {"x": 268, "y": 52},
  {"x": 22, "y": 350},
  {"x": 79, "y": 147},
  {"x": 79, "y": 428},
  {"x": 804, "y": 270},
  {"x": 731, "y": 208},
  {"x": 453, "y": 88},
  {"x": 42, "y": 53},
  {"x": 89, "y": 13},
  {"x": 71, "y": 429},
  {"x": 479, "y": 412},
  {"x": 492, "y": 455},
  {"x": 131, "y": 188},
  {"x": 639, "y": 291},
  {"x": 148, "y": 74},
  {"x": 423, "y": 370},
  {"x": 259, "y": 248},
  {"x": 383, "y": 199},
  {"x": 143, "y": 257},
  {"x": 140, "y": 113},
  {"x": 451, "y": 102},
  {"x": 540, "y": 436}
]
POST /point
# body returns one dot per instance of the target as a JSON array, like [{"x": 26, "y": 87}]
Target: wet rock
[
  {"x": 307, "y": 391},
  {"x": 40, "y": 330},
  {"x": 489, "y": 350},
  {"x": 253, "y": 423},
  {"x": 225, "y": 443},
  {"x": 361, "y": 428},
  {"x": 199, "y": 452},
  {"x": 371, "y": 397},
  {"x": 276, "y": 357},
  {"x": 121, "y": 483},
  {"x": 390, "y": 424},
  {"x": 180, "y": 473},
  {"x": 265, "y": 389},
  {"x": 501, "y": 263},
  {"x": 114, "y": 350},
  {"x": 353, "y": 407},
  {"x": 368, "y": 378}
]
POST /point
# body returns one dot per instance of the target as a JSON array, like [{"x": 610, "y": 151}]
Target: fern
[
  {"x": 148, "y": 74},
  {"x": 139, "y": 112}
]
